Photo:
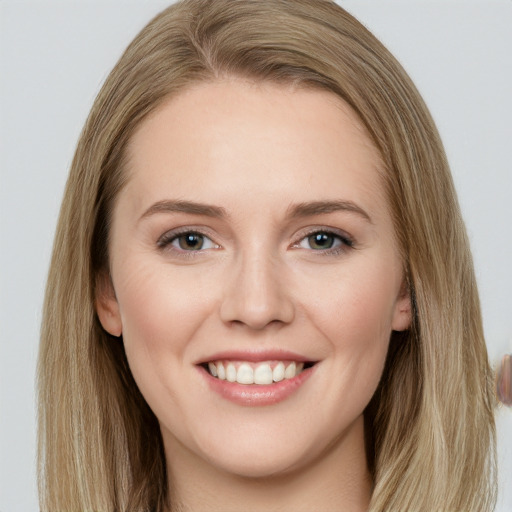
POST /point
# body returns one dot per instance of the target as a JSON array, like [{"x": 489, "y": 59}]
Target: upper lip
[{"x": 256, "y": 356}]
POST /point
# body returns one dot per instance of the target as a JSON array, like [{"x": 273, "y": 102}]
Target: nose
[{"x": 257, "y": 294}]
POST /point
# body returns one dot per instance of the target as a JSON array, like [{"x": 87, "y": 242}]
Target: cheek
[
  {"x": 356, "y": 304},
  {"x": 355, "y": 315},
  {"x": 155, "y": 300},
  {"x": 160, "y": 312}
]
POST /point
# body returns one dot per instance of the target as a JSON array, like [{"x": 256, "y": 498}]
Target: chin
[
  {"x": 256, "y": 457},
  {"x": 259, "y": 467}
]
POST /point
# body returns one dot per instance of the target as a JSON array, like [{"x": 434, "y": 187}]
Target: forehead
[{"x": 235, "y": 136}]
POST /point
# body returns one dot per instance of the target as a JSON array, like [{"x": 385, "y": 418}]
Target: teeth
[
  {"x": 278, "y": 373},
  {"x": 263, "y": 374},
  {"x": 290, "y": 371},
  {"x": 231, "y": 372},
  {"x": 213, "y": 369},
  {"x": 248, "y": 373},
  {"x": 245, "y": 374}
]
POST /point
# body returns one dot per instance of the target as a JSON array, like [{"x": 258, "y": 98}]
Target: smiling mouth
[{"x": 249, "y": 373}]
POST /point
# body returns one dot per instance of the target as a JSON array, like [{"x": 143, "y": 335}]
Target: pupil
[
  {"x": 321, "y": 241},
  {"x": 191, "y": 242}
]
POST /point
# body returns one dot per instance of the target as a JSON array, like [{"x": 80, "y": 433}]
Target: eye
[
  {"x": 324, "y": 241},
  {"x": 187, "y": 241}
]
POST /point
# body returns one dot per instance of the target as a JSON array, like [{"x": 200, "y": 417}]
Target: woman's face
[{"x": 253, "y": 240}]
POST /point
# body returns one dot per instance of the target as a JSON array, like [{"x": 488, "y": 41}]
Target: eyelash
[
  {"x": 345, "y": 244},
  {"x": 166, "y": 240}
]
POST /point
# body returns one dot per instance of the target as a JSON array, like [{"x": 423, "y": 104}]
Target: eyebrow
[
  {"x": 306, "y": 209},
  {"x": 170, "y": 206},
  {"x": 322, "y": 207}
]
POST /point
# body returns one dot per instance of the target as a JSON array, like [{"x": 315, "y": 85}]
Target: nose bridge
[{"x": 257, "y": 294}]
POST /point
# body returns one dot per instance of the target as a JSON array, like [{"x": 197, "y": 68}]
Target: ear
[
  {"x": 402, "y": 317},
  {"x": 107, "y": 306}
]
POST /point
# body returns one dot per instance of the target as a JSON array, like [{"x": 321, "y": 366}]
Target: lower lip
[{"x": 257, "y": 395}]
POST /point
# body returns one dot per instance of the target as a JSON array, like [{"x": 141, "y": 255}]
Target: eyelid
[
  {"x": 347, "y": 240},
  {"x": 165, "y": 240}
]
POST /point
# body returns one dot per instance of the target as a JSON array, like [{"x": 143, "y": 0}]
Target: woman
[{"x": 261, "y": 293}]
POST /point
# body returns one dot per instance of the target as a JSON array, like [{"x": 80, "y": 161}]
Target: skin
[{"x": 256, "y": 151}]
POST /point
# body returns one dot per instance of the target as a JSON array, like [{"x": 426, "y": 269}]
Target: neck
[{"x": 338, "y": 480}]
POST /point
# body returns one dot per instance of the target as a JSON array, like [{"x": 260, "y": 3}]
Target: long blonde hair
[{"x": 429, "y": 427}]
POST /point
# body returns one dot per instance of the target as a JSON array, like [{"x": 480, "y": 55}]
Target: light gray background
[{"x": 54, "y": 57}]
